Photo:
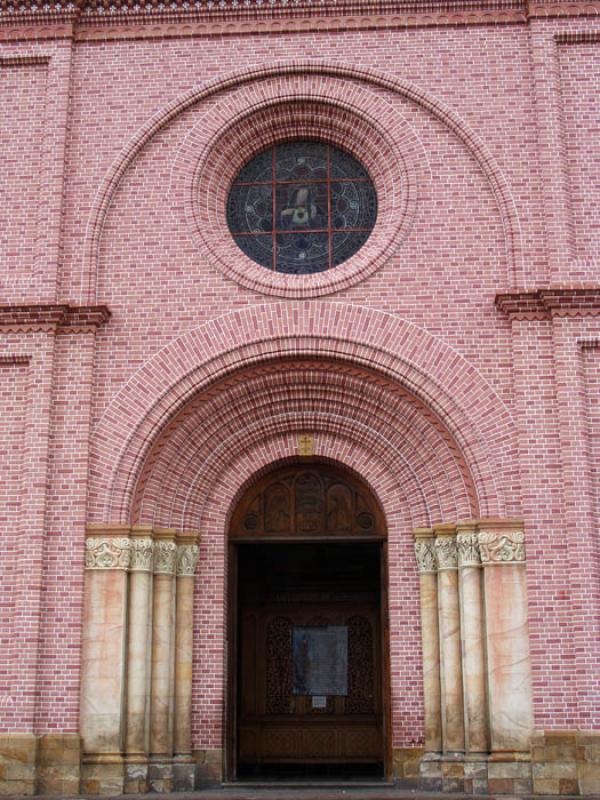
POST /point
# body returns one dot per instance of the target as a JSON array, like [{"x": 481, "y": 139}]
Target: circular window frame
[
  {"x": 268, "y": 187},
  {"x": 228, "y": 136}
]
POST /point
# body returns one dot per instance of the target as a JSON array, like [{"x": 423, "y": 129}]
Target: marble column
[
  {"x": 187, "y": 558},
  {"x": 163, "y": 640},
  {"x": 104, "y": 656},
  {"x": 140, "y": 633},
  {"x": 472, "y": 638},
  {"x": 427, "y": 566},
  {"x": 502, "y": 549},
  {"x": 453, "y": 729}
]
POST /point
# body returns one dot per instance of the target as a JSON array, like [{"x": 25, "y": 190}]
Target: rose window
[{"x": 301, "y": 207}]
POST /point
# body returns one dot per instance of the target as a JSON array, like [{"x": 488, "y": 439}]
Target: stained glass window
[{"x": 301, "y": 207}]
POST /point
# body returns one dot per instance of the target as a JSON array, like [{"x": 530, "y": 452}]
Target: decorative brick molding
[
  {"x": 68, "y": 319},
  {"x": 359, "y": 337},
  {"x": 333, "y": 401},
  {"x": 230, "y": 17},
  {"x": 544, "y": 303},
  {"x": 239, "y": 126},
  {"x": 249, "y": 83}
]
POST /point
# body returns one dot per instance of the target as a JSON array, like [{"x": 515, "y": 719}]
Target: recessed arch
[
  {"x": 433, "y": 105},
  {"x": 479, "y": 425}
]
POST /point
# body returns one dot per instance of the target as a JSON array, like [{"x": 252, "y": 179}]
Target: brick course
[{"x": 452, "y": 363}]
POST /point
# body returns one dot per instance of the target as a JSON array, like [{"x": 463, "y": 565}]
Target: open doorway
[{"x": 308, "y": 641}]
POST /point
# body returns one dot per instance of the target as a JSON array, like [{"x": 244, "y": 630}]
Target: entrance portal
[{"x": 309, "y": 615}]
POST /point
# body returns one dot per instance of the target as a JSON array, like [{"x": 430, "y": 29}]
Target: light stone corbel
[
  {"x": 502, "y": 547},
  {"x": 427, "y": 566},
  {"x": 472, "y": 637},
  {"x": 453, "y": 728}
]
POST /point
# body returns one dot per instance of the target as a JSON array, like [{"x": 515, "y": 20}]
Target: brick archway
[{"x": 477, "y": 423}]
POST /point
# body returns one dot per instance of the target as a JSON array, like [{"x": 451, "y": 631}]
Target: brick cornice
[
  {"x": 544, "y": 303},
  {"x": 123, "y": 19},
  {"x": 66, "y": 318}
]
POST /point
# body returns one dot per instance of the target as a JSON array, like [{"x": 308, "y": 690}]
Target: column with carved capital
[
  {"x": 427, "y": 566},
  {"x": 187, "y": 558},
  {"x": 140, "y": 632},
  {"x": 453, "y": 728},
  {"x": 473, "y": 646},
  {"x": 502, "y": 548},
  {"x": 104, "y": 656},
  {"x": 163, "y": 642}
]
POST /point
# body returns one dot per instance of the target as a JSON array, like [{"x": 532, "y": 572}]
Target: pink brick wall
[{"x": 504, "y": 198}]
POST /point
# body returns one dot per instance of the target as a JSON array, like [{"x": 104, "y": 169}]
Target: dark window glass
[{"x": 301, "y": 207}]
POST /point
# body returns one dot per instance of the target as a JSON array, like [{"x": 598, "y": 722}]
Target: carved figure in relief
[
  {"x": 339, "y": 510},
  {"x": 309, "y": 502},
  {"x": 277, "y": 509}
]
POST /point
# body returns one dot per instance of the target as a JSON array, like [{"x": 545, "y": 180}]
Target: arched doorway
[{"x": 308, "y": 616}]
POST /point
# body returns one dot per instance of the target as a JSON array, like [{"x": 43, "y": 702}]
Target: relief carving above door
[{"x": 304, "y": 501}]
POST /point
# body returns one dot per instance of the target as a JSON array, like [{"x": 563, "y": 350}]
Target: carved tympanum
[{"x": 306, "y": 501}]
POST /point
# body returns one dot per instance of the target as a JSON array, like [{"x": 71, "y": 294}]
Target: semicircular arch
[
  {"x": 433, "y": 105},
  {"x": 447, "y": 386}
]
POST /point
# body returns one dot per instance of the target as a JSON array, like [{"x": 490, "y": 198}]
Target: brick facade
[{"x": 151, "y": 372}]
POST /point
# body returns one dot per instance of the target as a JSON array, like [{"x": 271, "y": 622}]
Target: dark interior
[{"x": 311, "y": 584}]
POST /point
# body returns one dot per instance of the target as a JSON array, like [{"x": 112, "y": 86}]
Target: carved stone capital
[
  {"x": 445, "y": 549},
  {"x": 187, "y": 558},
  {"x": 165, "y": 557},
  {"x": 142, "y": 552},
  {"x": 425, "y": 555},
  {"x": 107, "y": 553},
  {"x": 502, "y": 548},
  {"x": 467, "y": 545}
]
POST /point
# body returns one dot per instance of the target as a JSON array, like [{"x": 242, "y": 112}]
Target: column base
[
  {"x": 160, "y": 774},
  {"x": 406, "y": 763},
  {"x": 476, "y": 773},
  {"x": 184, "y": 774},
  {"x": 209, "y": 768},
  {"x": 103, "y": 774},
  {"x": 136, "y": 774}
]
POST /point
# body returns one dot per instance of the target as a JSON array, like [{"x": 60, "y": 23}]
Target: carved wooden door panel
[{"x": 304, "y": 502}]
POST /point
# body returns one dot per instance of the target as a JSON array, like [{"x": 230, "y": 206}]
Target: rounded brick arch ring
[
  {"x": 236, "y": 415},
  {"x": 440, "y": 377},
  {"x": 298, "y": 106},
  {"x": 239, "y": 80}
]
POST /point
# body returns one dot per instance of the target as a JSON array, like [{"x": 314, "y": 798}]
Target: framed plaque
[{"x": 320, "y": 657}]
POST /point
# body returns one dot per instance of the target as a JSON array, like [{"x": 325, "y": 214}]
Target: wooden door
[{"x": 285, "y": 589}]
